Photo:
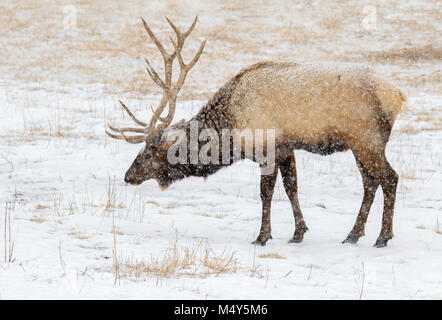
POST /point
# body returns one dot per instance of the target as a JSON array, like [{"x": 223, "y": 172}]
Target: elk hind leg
[
  {"x": 389, "y": 181},
  {"x": 370, "y": 185},
  {"x": 378, "y": 166}
]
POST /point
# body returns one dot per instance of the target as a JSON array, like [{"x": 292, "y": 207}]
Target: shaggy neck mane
[{"x": 214, "y": 115}]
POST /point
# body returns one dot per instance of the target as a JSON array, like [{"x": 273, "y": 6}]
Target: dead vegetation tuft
[
  {"x": 112, "y": 199},
  {"x": 271, "y": 255},
  {"x": 37, "y": 220},
  {"x": 41, "y": 207},
  {"x": 191, "y": 261}
]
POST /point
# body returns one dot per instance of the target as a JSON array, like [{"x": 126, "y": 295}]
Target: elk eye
[{"x": 148, "y": 156}]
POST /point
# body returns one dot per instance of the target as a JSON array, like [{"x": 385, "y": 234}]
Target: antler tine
[
  {"x": 166, "y": 84},
  {"x": 184, "y": 69},
  {"x": 154, "y": 75},
  {"x": 139, "y": 122},
  {"x": 178, "y": 32},
  {"x": 122, "y": 136},
  {"x": 168, "y": 59},
  {"x": 155, "y": 40},
  {"x": 157, "y": 113},
  {"x": 133, "y": 139},
  {"x": 197, "y": 56},
  {"x": 191, "y": 27},
  {"x": 130, "y": 139},
  {"x": 181, "y": 37},
  {"x": 138, "y": 130}
]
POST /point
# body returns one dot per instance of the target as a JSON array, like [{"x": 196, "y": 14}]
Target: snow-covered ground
[{"x": 73, "y": 220}]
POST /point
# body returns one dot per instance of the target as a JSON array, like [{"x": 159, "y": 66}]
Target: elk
[{"x": 322, "y": 108}]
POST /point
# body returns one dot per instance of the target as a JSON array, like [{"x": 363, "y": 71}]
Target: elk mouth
[{"x": 133, "y": 182}]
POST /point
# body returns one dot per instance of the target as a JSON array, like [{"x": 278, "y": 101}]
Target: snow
[{"x": 57, "y": 167}]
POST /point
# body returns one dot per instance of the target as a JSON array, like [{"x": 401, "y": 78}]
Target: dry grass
[
  {"x": 112, "y": 199},
  {"x": 81, "y": 237},
  {"x": 173, "y": 205},
  {"x": 271, "y": 255},
  {"x": 77, "y": 235},
  {"x": 117, "y": 231},
  {"x": 409, "y": 129},
  {"x": 63, "y": 207},
  {"x": 332, "y": 23},
  {"x": 108, "y": 45},
  {"x": 217, "y": 216},
  {"x": 41, "y": 207},
  {"x": 111, "y": 195},
  {"x": 408, "y": 55},
  {"x": 191, "y": 261},
  {"x": 37, "y": 220},
  {"x": 202, "y": 214},
  {"x": 153, "y": 202},
  {"x": 437, "y": 228},
  {"x": 410, "y": 174}
]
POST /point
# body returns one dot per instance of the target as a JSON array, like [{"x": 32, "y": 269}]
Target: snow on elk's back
[
  {"x": 307, "y": 100},
  {"x": 71, "y": 228}
]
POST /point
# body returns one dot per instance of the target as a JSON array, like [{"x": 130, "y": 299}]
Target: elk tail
[{"x": 391, "y": 98}]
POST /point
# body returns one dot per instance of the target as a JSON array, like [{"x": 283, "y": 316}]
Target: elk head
[{"x": 151, "y": 162}]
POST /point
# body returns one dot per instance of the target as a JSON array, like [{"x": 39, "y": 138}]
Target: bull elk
[{"x": 321, "y": 108}]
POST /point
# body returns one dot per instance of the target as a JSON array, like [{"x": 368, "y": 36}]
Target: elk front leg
[
  {"x": 370, "y": 186},
  {"x": 289, "y": 179},
  {"x": 267, "y": 187}
]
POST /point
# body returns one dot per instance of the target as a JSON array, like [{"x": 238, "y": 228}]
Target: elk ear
[
  {"x": 177, "y": 124},
  {"x": 172, "y": 137}
]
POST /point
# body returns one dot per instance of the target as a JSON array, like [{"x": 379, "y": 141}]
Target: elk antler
[{"x": 170, "y": 90}]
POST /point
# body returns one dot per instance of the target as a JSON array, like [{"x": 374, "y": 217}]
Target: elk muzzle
[{"x": 132, "y": 178}]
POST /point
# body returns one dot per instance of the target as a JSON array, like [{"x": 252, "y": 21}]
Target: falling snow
[{"x": 72, "y": 218}]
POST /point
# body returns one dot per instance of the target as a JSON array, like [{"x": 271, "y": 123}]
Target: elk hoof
[
  {"x": 299, "y": 235},
  {"x": 262, "y": 240},
  {"x": 296, "y": 239},
  {"x": 379, "y": 244},
  {"x": 352, "y": 238},
  {"x": 382, "y": 241}
]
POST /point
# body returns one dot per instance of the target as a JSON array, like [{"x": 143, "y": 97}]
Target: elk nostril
[{"x": 126, "y": 179}]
